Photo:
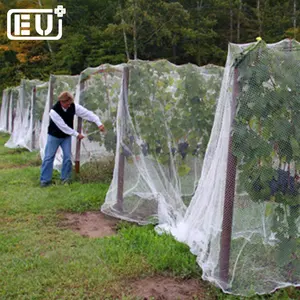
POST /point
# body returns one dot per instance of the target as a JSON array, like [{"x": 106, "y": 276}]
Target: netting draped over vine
[
  {"x": 243, "y": 221},
  {"x": 24, "y": 106},
  {"x": 99, "y": 90},
  {"x": 4, "y": 115},
  {"x": 229, "y": 188},
  {"x": 164, "y": 120},
  {"x": 40, "y": 99},
  {"x": 12, "y": 105}
]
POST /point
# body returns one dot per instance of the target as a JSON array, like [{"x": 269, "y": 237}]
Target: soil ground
[{"x": 98, "y": 225}]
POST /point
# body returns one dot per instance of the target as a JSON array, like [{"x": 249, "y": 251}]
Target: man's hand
[
  {"x": 80, "y": 136},
  {"x": 101, "y": 128}
]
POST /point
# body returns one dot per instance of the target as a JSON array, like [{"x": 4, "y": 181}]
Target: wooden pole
[
  {"x": 51, "y": 88},
  {"x": 33, "y": 117},
  {"x": 224, "y": 258},
  {"x": 11, "y": 108},
  {"x": 7, "y": 111},
  {"x": 121, "y": 165},
  {"x": 3, "y": 103},
  {"x": 22, "y": 103},
  {"x": 13, "y": 115},
  {"x": 79, "y": 129}
]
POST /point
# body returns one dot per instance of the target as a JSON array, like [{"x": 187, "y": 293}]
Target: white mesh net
[
  {"x": 164, "y": 120},
  {"x": 21, "y": 109},
  {"x": 12, "y": 104},
  {"x": 39, "y": 102},
  {"x": 98, "y": 90},
  {"x": 238, "y": 209},
  {"x": 4, "y": 114},
  {"x": 243, "y": 221}
]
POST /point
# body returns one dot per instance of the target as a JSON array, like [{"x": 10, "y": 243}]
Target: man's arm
[
  {"x": 59, "y": 122},
  {"x": 87, "y": 114}
]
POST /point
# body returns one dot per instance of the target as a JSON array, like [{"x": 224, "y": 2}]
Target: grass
[
  {"x": 41, "y": 260},
  {"x": 16, "y": 158},
  {"x": 97, "y": 171}
]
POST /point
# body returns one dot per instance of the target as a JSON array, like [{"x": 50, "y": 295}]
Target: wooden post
[
  {"x": 13, "y": 115},
  {"x": 22, "y": 99},
  {"x": 51, "y": 88},
  {"x": 79, "y": 129},
  {"x": 2, "y": 105},
  {"x": 11, "y": 109},
  {"x": 224, "y": 257},
  {"x": 33, "y": 117},
  {"x": 7, "y": 111},
  {"x": 121, "y": 165}
]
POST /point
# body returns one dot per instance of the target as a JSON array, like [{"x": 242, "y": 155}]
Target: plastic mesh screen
[
  {"x": 40, "y": 94},
  {"x": 243, "y": 221},
  {"x": 4, "y": 111},
  {"x": 99, "y": 91},
  {"x": 164, "y": 120}
]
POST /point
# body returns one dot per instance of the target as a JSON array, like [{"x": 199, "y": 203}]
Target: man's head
[{"x": 65, "y": 99}]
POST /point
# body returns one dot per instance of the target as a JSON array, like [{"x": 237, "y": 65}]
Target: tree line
[{"x": 113, "y": 31}]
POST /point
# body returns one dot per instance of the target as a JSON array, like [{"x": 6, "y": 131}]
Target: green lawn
[{"x": 41, "y": 260}]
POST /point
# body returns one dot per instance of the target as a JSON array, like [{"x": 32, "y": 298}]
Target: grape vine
[{"x": 266, "y": 135}]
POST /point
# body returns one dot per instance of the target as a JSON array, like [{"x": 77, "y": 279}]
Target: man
[{"x": 60, "y": 131}]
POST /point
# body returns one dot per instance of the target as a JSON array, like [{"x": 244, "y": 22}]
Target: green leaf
[
  {"x": 295, "y": 146},
  {"x": 269, "y": 209},
  {"x": 286, "y": 249},
  {"x": 183, "y": 170},
  {"x": 168, "y": 106}
]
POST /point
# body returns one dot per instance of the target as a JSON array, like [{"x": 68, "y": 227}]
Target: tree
[{"x": 147, "y": 24}]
